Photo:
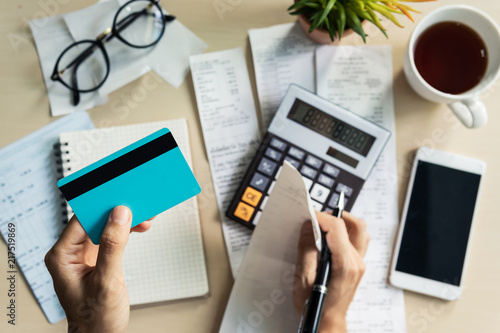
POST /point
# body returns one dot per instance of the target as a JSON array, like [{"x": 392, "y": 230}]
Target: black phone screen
[{"x": 438, "y": 223}]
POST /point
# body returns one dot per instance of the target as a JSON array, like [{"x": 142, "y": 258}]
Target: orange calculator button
[
  {"x": 251, "y": 196},
  {"x": 244, "y": 211}
]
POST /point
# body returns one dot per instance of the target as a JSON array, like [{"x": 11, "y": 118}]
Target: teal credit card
[{"x": 149, "y": 177}]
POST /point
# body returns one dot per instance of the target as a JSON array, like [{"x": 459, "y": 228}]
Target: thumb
[{"x": 113, "y": 241}]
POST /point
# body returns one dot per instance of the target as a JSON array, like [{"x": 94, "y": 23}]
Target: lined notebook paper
[{"x": 167, "y": 262}]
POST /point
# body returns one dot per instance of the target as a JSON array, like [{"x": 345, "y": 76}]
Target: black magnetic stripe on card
[{"x": 118, "y": 166}]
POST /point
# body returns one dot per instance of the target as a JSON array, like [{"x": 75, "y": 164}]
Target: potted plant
[{"x": 327, "y": 20}]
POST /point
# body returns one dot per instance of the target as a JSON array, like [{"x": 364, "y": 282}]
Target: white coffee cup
[{"x": 466, "y": 106}]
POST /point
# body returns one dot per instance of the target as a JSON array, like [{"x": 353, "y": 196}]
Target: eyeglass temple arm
[
  {"x": 74, "y": 81},
  {"x": 168, "y": 18},
  {"x": 126, "y": 21}
]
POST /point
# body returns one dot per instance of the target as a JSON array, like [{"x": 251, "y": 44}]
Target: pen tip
[{"x": 341, "y": 200}]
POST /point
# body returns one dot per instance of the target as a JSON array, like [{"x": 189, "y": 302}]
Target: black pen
[{"x": 314, "y": 306}]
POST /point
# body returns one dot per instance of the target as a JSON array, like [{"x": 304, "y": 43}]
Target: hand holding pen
[{"x": 348, "y": 241}]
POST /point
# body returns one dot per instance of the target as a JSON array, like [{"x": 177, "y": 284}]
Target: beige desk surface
[{"x": 25, "y": 108}]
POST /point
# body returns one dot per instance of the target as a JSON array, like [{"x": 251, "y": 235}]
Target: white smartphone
[{"x": 436, "y": 223}]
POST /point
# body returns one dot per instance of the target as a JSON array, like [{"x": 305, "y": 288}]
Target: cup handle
[{"x": 471, "y": 112}]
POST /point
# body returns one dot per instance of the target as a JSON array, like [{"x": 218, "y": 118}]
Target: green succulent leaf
[
  {"x": 330, "y": 26},
  {"x": 385, "y": 11},
  {"x": 340, "y": 19},
  {"x": 361, "y": 5},
  {"x": 314, "y": 19},
  {"x": 353, "y": 21},
  {"x": 362, "y": 14},
  {"x": 324, "y": 14},
  {"x": 298, "y": 4},
  {"x": 300, "y": 11},
  {"x": 338, "y": 15},
  {"x": 375, "y": 20},
  {"x": 313, "y": 5}
]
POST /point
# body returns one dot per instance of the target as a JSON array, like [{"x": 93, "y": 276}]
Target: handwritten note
[
  {"x": 360, "y": 79},
  {"x": 231, "y": 132},
  {"x": 29, "y": 199},
  {"x": 282, "y": 55}
]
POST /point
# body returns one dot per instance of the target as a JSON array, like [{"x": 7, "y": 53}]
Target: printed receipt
[
  {"x": 231, "y": 133},
  {"x": 360, "y": 79},
  {"x": 282, "y": 55}
]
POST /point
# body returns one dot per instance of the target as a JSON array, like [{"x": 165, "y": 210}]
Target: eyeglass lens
[
  {"x": 140, "y": 23},
  {"x": 84, "y": 66},
  {"x": 84, "y": 60}
]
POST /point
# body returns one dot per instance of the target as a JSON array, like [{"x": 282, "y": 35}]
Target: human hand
[
  {"x": 348, "y": 241},
  {"x": 88, "y": 278}
]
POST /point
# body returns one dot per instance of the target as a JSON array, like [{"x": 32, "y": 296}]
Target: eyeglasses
[{"x": 84, "y": 65}]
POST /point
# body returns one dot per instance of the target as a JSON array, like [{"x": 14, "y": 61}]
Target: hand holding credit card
[{"x": 148, "y": 176}]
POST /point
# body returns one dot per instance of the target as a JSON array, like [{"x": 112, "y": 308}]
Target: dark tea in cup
[{"x": 451, "y": 57}]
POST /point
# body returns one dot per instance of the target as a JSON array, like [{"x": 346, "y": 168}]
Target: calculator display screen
[{"x": 331, "y": 127}]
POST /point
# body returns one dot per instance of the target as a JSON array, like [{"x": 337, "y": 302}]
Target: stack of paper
[
  {"x": 231, "y": 132},
  {"x": 31, "y": 201},
  {"x": 357, "y": 78},
  {"x": 169, "y": 58}
]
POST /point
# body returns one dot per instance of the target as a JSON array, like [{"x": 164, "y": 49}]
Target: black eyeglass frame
[{"x": 99, "y": 42}]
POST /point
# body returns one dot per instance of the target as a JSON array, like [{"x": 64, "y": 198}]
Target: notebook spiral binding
[{"x": 61, "y": 160}]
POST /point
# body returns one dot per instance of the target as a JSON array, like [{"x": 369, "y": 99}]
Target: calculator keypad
[
  {"x": 244, "y": 211},
  {"x": 296, "y": 153},
  {"x": 347, "y": 189},
  {"x": 331, "y": 170},
  {"x": 267, "y": 167},
  {"x": 308, "y": 172},
  {"x": 251, "y": 196},
  {"x": 323, "y": 180},
  {"x": 274, "y": 154},
  {"x": 259, "y": 181},
  {"x": 278, "y": 144},
  {"x": 319, "y": 193},
  {"x": 313, "y": 161},
  {"x": 293, "y": 162}
]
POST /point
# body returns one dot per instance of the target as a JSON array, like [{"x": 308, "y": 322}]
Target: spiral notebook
[{"x": 167, "y": 262}]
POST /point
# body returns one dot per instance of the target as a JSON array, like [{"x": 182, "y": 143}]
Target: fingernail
[{"x": 120, "y": 215}]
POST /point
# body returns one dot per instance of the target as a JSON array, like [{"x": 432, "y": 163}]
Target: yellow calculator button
[
  {"x": 244, "y": 211},
  {"x": 251, "y": 196}
]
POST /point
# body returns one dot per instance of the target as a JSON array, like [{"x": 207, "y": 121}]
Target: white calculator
[{"x": 334, "y": 149}]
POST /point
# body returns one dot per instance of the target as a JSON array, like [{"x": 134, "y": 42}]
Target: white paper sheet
[
  {"x": 282, "y": 54},
  {"x": 51, "y": 37},
  {"x": 261, "y": 298},
  {"x": 30, "y": 199},
  {"x": 169, "y": 58},
  {"x": 360, "y": 79},
  {"x": 231, "y": 133}
]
